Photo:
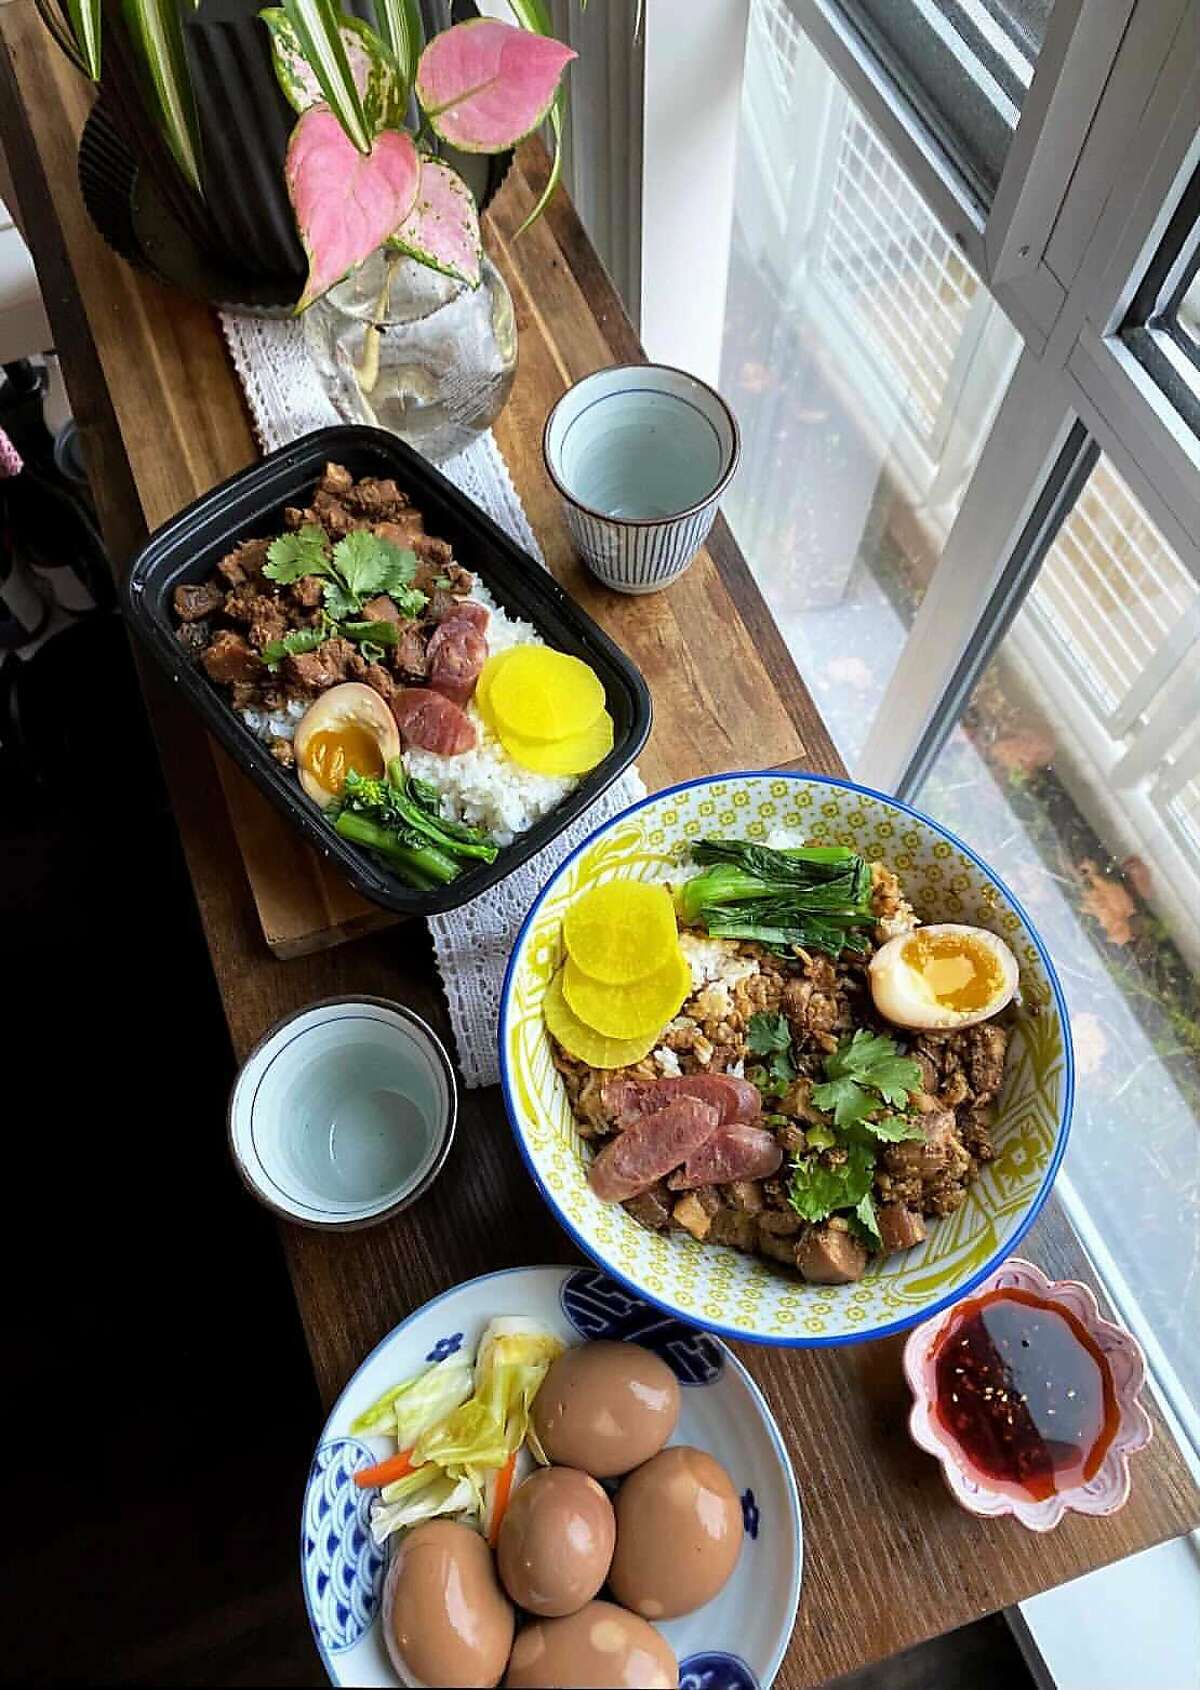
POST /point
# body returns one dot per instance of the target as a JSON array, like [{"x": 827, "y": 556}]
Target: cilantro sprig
[
  {"x": 291, "y": 556},
  {"x": 293, "y": 644},
  {"x": 357, "y": 568},
  {"x": 866, "y": 1078},
  {"x": 819, "y": 1188},
  {"x": 372, "y": 639},
  {"x": 771, "y": 1036},
  {"x": 862, "y": 1073}
]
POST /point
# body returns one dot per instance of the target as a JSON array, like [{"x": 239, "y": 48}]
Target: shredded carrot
[
  {"x": 385, "y": 1472},
  {"x": 504, "y": 1481}
]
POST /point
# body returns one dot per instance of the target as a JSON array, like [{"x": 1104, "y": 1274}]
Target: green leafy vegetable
[
  {"x": 398, "y": 818},
  {"x": 768, "y": 1033},
  {"x": 340, "y": 603},
  {"x": 894, "y": 1129},
  {"x": 818, "y": 1190},
  {"x": 292, "y": 556},
  {"x": 863, "y": 1072},
  {"x": 771, "y": 1036},
  {"x": 410, "y": 601},
  {"x": 817, "y": 897},
  {"x": 361, "y": 566},
  {"x": 411, "y": 857},
  {"x": 460, "y": 1424},
  {"x": 376, "y": 633},
  {"x": 864, "y": 1222},
  {"x": 299, "y": 640},
  {"x": 407, "y": 1409},
  {"x": 430, "y": 1493},
  {"x": 368, "y": 565}
]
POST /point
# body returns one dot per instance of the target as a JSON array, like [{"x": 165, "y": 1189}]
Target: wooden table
[{"x": 889, "y": 1559}]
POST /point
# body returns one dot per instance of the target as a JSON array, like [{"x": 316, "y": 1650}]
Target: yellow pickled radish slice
[
  {"x": 487, "y": 675},
  {"x": 622, "y": 930},
  {"x": 574, "y": 756},
  {"x": 544, "y": 694},
  {"x": 585, "y": 1042},
  {"x": 628, "y": 1012}
]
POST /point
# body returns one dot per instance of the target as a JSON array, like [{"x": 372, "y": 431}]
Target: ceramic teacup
[
  {"x": 641, "y": 455},
  {"x": 344, "y": 1113}
]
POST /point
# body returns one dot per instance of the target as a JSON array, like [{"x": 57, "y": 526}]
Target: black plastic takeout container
[{"x": 251, "y": 505}]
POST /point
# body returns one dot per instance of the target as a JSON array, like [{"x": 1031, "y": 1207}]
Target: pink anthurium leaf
[
  {"x": 484, "y": 85},
  {"x": 346, "y": 203},
  {"x": 442, "y": 229}
]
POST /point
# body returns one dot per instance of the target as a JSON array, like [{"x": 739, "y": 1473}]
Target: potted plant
[{"x": 236, "y": 113}]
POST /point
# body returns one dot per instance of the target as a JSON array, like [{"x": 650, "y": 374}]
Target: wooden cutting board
[{"x": 715, "y": 706}]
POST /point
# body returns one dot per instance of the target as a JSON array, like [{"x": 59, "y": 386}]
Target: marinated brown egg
[
  {"x": 446, "y": 1620},
  {"x": 605, "y": 1408},
  {"x": 942, "y": 976},
  {"x": 348, "y": 727},
  {"x": 600, "y": 1646},
  {"x": 556, "y": 1541},
  {"x": 679, "y": 1534}
]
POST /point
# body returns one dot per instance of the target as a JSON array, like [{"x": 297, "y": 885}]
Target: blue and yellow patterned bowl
[{"x": 742, "y": 1296}]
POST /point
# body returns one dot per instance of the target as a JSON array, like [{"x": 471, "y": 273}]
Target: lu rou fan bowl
[{"x": 718, "y": 1288}]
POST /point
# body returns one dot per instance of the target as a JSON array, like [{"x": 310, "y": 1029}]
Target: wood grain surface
[{"x": 889, "y": 1558}]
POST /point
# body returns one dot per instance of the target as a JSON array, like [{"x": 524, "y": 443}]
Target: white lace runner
[{"x": 472, "y": 944}]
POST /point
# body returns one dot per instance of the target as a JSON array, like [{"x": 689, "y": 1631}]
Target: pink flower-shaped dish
[{"x": 1085, "y": 1470}]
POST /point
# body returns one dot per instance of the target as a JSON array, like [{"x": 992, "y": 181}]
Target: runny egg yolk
[
  {"x": 333, "y": 752},
  {"x": 961, "y": 972}
]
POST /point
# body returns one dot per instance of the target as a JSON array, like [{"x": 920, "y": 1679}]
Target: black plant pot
[{"x": 237, "y": 245}]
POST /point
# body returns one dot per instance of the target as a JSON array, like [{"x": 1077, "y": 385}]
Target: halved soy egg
[
  {"x": 942, "y": 976},
  {"x": 348, "y": 727}
]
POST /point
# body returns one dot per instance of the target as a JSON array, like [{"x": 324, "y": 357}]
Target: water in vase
[{"x": 402, "y": 347}]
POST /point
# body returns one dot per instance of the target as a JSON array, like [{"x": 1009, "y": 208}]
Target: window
[
  {"x": 865, "y": 361},
  {"x": 1162, "y": 328},
  {"x": 963, "y": 65},
  {"x": 1189, "y": 313}
]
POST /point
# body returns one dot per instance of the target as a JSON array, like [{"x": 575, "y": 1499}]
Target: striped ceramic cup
[{"x": 641, "y": 455}]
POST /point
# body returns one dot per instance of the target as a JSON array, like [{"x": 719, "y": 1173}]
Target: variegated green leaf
[
  {"x": 400, "y": 26},
  {"x": 60, "y": 30},
  {"x": 376, "y": 74},
  {"x": 556, "y": 120},
  {"x": 535, "y": 15},
  {"x": 85, "y": 27},
  {"x": 317, "y": 26},
  {"x": 157, "y": 33}
]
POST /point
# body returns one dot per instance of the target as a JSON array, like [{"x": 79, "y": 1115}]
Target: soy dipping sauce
[{"x": 1026, "y": 1392}]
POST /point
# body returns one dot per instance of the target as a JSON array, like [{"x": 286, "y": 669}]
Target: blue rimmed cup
[
  {"x": 641, "y": 455},
  {"x": 343, "y": 1114}
]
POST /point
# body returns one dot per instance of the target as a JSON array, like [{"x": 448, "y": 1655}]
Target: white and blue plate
[{"x": 734, "y": 1642}]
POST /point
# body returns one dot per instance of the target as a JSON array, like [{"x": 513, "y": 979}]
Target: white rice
[
  {"x": 484, "y": 787},
  {"x": 274, "y": 724}
]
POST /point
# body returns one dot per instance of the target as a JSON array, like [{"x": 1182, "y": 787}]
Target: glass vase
[{"x": 403, "y": 347}]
